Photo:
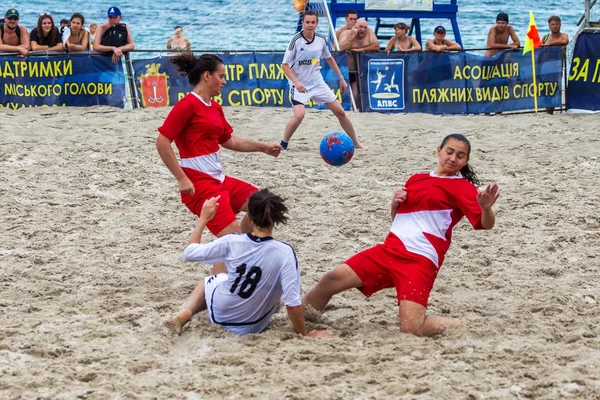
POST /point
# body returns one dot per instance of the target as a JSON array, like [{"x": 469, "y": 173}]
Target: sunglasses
[
  {"x": 45, "y": 15},
  {"x": 12, "y": 18}
]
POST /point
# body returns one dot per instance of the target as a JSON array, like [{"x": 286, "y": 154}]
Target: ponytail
[
  {"x": 266, "y": 209},
  {"x": 194, "y": 67},
  {"x": 467, "y": 171}
]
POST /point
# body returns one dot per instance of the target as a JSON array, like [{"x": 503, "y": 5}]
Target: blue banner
[
  {"x": 65, "y": 80},
  {"x": 459, "y": 83},
  {"x": 253, "y": 79},
  {"x": 583, "y": 92}
]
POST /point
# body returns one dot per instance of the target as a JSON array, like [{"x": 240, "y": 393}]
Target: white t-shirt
[
  {"x": 259, "y": 272},
  {"x": 304, "y": 58}
]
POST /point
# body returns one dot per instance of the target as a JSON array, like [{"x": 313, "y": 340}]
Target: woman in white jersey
[{"x": 258, "y": 271}]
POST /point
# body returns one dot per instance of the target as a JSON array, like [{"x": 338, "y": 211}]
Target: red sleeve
[
  {"x": 227, "y": 129},
  {"x": 469, "y": 205},
  {"x": 177, "y": 119}
]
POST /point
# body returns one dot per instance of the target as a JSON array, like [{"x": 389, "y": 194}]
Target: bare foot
[
  {"x": 178, "y": 321},
  {"x": 360, "y": 146}
]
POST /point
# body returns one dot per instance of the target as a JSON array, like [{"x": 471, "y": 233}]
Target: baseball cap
[
  {"x": 12, "y": 13},
  {"x": 439, "y": 29},
  {"x": 502, "y": 17},
  {"x": 114, "y": 12}
]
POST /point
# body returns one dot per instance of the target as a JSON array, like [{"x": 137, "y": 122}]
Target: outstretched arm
[
  {"x": 237, "y": 143},
  {"x": 296, "y": 315},
  {"x": 209, "y": 208},
  {"x": 486, "y": 200}
]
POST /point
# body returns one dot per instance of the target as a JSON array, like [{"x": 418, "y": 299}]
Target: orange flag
[{"x": 532, "y": 41}]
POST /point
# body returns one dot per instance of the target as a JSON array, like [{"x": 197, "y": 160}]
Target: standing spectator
[
  {"x": 401, "y": 41},
  {"x": 93, "y": 27},
  {"x": 439, "y": 43},
  {"x": 114, "y": 36},
  {"x": 498, "y": 36},
  {"x": 179, "y": 42},
  {"x": 46, "y": 36},
  {"x": 554, "y": 38},
  {"x": 13, "y": 37},
  {"x": 75, "y": 37},
  {"x": 351, "y": 18}
]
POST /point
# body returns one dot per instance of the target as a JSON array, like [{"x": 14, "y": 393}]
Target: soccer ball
[{"x": 337, "y": 148}]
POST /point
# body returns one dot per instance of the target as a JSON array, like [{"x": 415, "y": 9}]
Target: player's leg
[
  {"x": 239, "y": 193},
  {"x": 345, "y": 122},
  {"x": 413, "y": 319},
  {"x": 335, "y": 281},
  {"x": 293, "y": 123},
  {"x": 194, "y": 304}
]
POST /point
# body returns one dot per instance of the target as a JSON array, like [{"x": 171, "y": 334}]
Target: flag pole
[{"x": 535, "y": 102}]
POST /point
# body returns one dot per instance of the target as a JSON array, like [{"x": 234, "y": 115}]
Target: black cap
[
  {"x": 502, "y": 17},
  {"x": 439, "y": 29},
  {"x": 12, "y": 13}
]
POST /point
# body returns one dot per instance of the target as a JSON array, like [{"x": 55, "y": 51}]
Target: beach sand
[{"x": 92, "y": 233}]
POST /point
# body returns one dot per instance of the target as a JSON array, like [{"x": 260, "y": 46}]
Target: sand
[{"x": 92, "y": 233}]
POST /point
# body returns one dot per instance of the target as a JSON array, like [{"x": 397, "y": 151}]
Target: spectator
[
  {"x": 359, "y": 38},
  {"x": 179, "y": 42},
  {"x": 64, "y": 23},
  {"x": 440, "y": 43},
  {"x": 351, "y": 18},
  {"x": 46, "y": 36},
  {"x": 498, "y": 36},
  {"x": 114, "y": 36},
  {"x": 401, "y": 41},
  {"x": 555, "y": 37},
  {"x": 75, "y": 37},
  {"x": 13, "y": 37},
  {"x": 93, "y": 27}
]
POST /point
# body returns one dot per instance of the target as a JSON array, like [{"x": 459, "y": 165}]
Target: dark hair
[
  {"x": 467, "y": 172},
  {"x": 194, "y": 67},
  {"x": 502, "y": 17},
  {"x": 77, "y": 15},
  {"x": 266, "y": 209},
  {"x": 178, "y": 27},
  {"x": 351, "y": 12},
  {"x": 64, "y": 21},
  {"x": 310, "y": 12},
  {"x": 402, "y": 25},
  {"x": 554, "y": 18},
  {"x": 53, "y": 32}
]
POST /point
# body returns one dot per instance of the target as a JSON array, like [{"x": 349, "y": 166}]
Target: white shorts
[
  {"x": 211, "y": 283},
  {"x": 320, "y": 94}
]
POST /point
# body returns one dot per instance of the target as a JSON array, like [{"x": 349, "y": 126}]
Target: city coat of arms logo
[{"x": 153, "y": 87}]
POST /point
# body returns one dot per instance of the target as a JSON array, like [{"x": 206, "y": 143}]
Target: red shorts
[
  {"x": 234, "y": 193},
  {"x": 378, "y": 268}
]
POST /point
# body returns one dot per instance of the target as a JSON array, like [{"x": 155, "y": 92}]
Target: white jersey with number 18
[{"x": 259, "y": 272}]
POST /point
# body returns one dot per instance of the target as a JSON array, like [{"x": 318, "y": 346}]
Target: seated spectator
[
  {"x": 13, "y": 37},
  {"x": 93, "y": 27},
  {"x": 114, "y": 36},
  {"x": 179, "y": 42},
  {"x": 75, "y": 37},
  {"x": 498, "y": 36},
  {"x": 401, "y": 41},
  {"x": 440, "y": 43},
  {"x": 46, "y": 36}
]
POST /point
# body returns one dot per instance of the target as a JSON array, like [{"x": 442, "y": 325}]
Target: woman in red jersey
[
  {"x": 424, "y": 213},
  {"x": 199, "y": 128}
]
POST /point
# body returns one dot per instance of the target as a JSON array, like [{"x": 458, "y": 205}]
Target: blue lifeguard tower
[{"x": 386, "y": 18}]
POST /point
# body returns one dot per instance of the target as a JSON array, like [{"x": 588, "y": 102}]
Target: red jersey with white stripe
[
  {"x": 198, "y": 130},
  {"x": 433, "y": 206}
]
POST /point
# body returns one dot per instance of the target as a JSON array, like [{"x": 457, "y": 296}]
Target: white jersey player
[
  {"x": 258, "y": 271},
  {"x": 302, "y": 65}
]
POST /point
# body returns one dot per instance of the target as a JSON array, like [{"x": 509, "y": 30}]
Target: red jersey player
[
  {"x": 198, "y": 127},
  {"x": 424, "y": 213}
]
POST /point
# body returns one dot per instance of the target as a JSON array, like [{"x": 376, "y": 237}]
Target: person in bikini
[{"x": 401, "y": 41}]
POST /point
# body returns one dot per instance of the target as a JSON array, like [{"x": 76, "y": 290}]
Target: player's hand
[
  {"x": 488, "y": 197},
  {"x": 273, "y": 149},
  {"x": 209, "y": 208},
  {"x": 186, "y": 186},
  {"x": 399, "y": 197},
  {"x": 343, "y": 85},
  {"x": 300, "y": 87},
  {"x": 324, "y": 333}
]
